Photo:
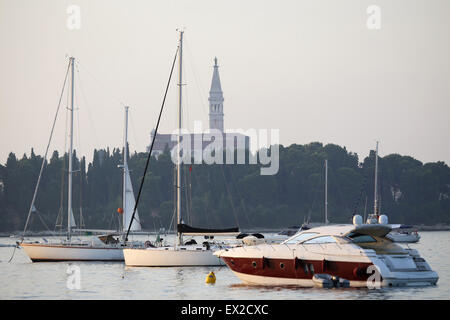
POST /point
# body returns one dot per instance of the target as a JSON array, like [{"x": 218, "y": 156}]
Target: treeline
[{"x": 225, "y": 195}]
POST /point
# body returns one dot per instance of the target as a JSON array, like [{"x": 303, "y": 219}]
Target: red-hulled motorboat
[{"x": 360, "y": 253}]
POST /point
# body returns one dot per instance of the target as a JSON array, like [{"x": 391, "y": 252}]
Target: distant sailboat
[
  {"x": 102, "y": 248},
  {"x": 128, "y": 194},
  {"x": 306, "y": 223},
  {"x": 374, "y": 217},
  {"x": 398, "y": 233},
  {"x": 180, "y": 254}
]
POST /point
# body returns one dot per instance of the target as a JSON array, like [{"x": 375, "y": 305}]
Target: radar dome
[{"x": 383, "y": 219}]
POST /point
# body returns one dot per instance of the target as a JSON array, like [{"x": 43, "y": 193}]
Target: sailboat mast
[
  {"x": 375, "y": 197},
  {"x": 69, "y": 189},
  {"x": 180, "y": 88},
  {"x": 326, "y": 191},
  {"x": 125, "y": 166}
]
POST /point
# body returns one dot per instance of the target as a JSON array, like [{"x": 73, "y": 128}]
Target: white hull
[
  {"x": 44, "y": 252},
  {"x": 277, "y": 281},
  {"x": 170, "y": 257}
]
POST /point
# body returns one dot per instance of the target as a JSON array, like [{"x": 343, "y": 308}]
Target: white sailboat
[
  {"x": 102, "y": 248},
  {"x": 128, "y": 194},
  {"x": 308, "y": 225},
  {"x": 180, "y": 254}
]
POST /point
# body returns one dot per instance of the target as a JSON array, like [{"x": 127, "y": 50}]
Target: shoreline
[{"x": 17, "y": 234}]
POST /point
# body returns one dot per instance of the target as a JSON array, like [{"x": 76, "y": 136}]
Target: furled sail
[
  {"x": 72, "y": 219},
  {"x": 188, "y": 230}
]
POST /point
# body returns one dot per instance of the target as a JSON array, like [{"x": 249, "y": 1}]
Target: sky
[{"x": 324, "y": 70}]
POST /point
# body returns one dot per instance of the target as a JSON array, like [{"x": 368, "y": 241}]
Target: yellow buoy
[{"x": 211, "y": 278}]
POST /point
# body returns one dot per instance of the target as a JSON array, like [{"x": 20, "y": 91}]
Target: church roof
[{"x": 230, "y": 139}]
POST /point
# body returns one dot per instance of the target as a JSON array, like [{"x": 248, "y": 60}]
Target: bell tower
[{"x": 216, "y": 101}]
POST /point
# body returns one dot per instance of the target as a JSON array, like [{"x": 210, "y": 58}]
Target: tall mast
[
  {"x": 180, "y": 88},
  {"x": 69, "y": 189},
  {"x": 125, "y": 166},
  {"x": 326, "y": 191},
  {"x": 375, "y": 197}
]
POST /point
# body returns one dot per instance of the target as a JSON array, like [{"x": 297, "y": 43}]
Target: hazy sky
[{"x": 312, "y": 69}]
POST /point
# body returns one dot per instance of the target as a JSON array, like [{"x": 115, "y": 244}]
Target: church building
[{"x": 231, "y": 140}]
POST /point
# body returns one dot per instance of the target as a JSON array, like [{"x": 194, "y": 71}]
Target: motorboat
[
  {"x": 360, "y": 253},
  {"x": 403, "y": 234},
  {"x": 400, "y": 233}
]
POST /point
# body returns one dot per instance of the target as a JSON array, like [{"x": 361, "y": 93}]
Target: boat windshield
[
  {"x": 323, "y": 239},
  {"x": 381, "y": 245},
  {"x": 300, "y": 237},
  {"x": 361, "y": 238}
]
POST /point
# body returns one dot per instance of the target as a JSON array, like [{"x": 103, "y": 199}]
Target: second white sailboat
[{"x": 180, "y": 254}]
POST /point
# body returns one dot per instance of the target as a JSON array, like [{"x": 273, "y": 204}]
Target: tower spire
[{"x": 216, "y": 100}]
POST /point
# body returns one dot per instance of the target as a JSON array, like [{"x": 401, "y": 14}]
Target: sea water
[{"x": 22, "y": 279}]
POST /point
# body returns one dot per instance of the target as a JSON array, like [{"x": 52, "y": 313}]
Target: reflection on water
[{"x": 22, "y": 279}]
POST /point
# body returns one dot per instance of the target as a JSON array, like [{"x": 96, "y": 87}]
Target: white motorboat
[
  {"x": 102, "y": 248},
  {"x": 359, "y": 253},
  {"x": 403, "y": 234}
]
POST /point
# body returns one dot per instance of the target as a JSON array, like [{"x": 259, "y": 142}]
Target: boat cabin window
[
  {"x": 361, "y": 238},
  {"x": 323, "y": 239},
  {"x": 300, "y": 237}
]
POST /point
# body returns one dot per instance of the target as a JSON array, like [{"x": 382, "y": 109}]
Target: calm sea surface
[{"x": 22, "y": 279}]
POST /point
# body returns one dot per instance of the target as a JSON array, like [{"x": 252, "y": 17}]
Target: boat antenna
[
  {"x": 375, "y": 197},
  {"x": 151, "y": 147}
]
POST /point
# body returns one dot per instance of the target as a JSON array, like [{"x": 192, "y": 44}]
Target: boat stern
[{"x": 409, "y": 269}]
